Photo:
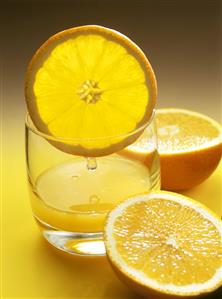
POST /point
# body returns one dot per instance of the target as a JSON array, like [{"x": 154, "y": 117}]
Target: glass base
[{"x": 76, "y": 243}]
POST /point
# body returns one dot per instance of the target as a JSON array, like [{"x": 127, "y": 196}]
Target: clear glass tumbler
[{"x": 71, "y": 195}]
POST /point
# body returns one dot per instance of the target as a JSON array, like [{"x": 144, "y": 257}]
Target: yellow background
[{"x": 183, "y": 42}]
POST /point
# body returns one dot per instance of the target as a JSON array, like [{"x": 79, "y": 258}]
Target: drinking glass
[{"x": 71, "y": 195}]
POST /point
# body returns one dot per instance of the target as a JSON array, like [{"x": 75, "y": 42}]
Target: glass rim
[{"x": 30, "y": 125}]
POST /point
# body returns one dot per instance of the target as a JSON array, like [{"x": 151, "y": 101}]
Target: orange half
[{"x": 165, "y": 245}]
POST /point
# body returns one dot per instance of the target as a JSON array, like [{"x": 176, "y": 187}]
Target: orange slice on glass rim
[{"x": 91, "y": 90}]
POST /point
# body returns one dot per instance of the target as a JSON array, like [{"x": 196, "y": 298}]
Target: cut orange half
[
  {"x": 92, "y": 89},
  {"x": 165, "y": 245},
  {"x": 190, "y": 147}
]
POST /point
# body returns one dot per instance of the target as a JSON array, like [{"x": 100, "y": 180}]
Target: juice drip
[{"x": 91, "y": 164}]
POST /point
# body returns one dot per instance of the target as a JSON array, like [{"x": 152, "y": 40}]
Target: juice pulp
[{"x": 70, "y": 197}]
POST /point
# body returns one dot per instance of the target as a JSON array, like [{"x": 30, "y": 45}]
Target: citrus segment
[
  {"x": 165, "y": 243},
  {"x": 88, "y": 83}
]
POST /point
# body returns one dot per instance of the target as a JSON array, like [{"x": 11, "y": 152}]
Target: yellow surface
[{"x": 31, "y": 268}]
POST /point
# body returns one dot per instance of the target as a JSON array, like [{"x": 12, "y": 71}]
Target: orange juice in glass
[
  {"x": 71, "y": 195},
  {"x": 90, "y": 133}
]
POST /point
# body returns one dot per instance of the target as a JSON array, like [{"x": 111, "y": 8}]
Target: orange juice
[{"x": 71, "y": 197}]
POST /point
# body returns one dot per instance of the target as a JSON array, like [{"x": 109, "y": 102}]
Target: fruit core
[
  {"x": 172, "y": 241},
  {"x": 90, "y": 92}
]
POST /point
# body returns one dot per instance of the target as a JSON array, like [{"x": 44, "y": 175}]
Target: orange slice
[
  {"x": 165, "y": 245},
  {"x": 91, "y": 89}
]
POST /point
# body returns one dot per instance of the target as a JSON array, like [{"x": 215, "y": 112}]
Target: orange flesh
[
  {"x": 181, "y": 131},
  {"x": 155, "y": 237}
]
